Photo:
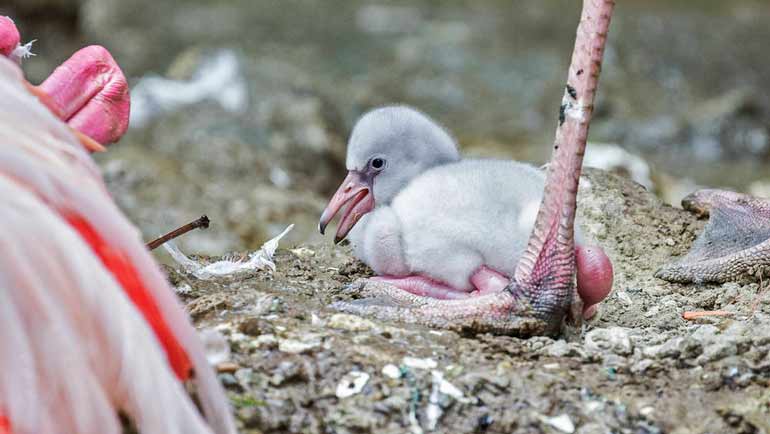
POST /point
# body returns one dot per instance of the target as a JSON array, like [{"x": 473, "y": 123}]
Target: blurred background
[{"x": 241, "y": 109}]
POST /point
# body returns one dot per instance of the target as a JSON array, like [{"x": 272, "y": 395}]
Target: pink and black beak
[{"x": 357, "y": 191}]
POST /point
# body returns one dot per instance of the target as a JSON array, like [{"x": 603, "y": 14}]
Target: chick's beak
[{"x": 356, "y": 189}]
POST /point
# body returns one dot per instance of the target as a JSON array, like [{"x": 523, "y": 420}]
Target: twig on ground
[
  {"x": 699, "y": 314},
  {"x": 202, "y": 222}
]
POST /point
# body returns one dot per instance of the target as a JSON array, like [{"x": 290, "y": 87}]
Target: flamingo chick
[
  {"x": 449, "y": 235},
  {"x": 436, "y": 225},
  {"x": 88, "y": 325}
]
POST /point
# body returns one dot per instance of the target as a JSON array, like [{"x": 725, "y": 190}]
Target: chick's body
[{"x": 452, "y": 219}]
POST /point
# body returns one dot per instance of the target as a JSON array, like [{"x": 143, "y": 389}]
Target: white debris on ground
[
  {"x": 351, "y": 384},
  {"x": 440, "y": 388},
  {"x": 561, "y": 422},
  {"x": 258, "y": 260},
  {"x": 218, "y": 78}
]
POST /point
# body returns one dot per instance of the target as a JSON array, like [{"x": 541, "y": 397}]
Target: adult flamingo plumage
[{"x": 88, "y": 325}]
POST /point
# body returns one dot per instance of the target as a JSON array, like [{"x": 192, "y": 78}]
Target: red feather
[
  {"x": 5, "y": 426},
  {"x": 125, "y": 273}
]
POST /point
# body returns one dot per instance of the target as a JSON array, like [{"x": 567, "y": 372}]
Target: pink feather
[{"x": 81, "y": 348}]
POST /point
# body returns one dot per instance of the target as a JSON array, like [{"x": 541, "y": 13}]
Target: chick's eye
[{"x": 378, "y": 163}]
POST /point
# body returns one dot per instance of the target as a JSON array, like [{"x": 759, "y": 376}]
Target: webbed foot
[
  {"x": 735, "y": 242},
  {"x": 501, "y": 312}
]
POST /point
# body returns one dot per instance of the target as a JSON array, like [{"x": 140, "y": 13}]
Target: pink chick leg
[
  {"x": 423, "y": 286},
  {"x": 487, "y": 280}
]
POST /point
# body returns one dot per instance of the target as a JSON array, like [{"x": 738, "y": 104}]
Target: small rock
[
  {"x": 415, "y": 363},
  {"x": 624, "y": 298},
  {"x": 344, "y": 321},
  {"x": 286, "y": 371},
  {"x": 391, "y": 371},
  {"x": 561, "y": 348},
  {"x": 183, "y": 289},
  {"x": 453, "y": 370},
  {"x": 302, "y": 252},
  {"x": 613, "y": 339},
  {"x": 228, "y": 380},
  {"x": 641, "y": 366},
  {"x": 720, "y": 344},
  {"x": 296, "y": 347},
  {"x": 674, "y": 348},
  {"x": 255, "y": 327},
  {"x": 244, "y": 377},
  {"x": 352, "y": 384},
  {"x": 267, "y": 341}
]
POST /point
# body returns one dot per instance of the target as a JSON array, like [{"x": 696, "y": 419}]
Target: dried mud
[{"x": 638, "y": 368}]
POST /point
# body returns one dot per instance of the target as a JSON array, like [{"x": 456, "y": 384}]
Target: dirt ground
[{"x": 296, "y": 365}]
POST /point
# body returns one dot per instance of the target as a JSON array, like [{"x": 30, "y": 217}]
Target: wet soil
[{"x": 638, "y": 368}]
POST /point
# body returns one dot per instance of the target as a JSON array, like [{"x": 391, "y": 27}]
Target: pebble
[
  {"x": 674, "y": 348},
  {"x": 612, "y": 339},
  {"x": 641, "y": 366},
  {"x": 302, "y": 252},
  {"x": 561, "y": 348},
  {"x": 344, "y": 321},
  {"x": 647, "y": 411},
  {"x": 416, "y": 363},
  {"x": 293, "y": 346},
  {"x": 267, "y": 341},
  {"x": 624, "y": 298},
  {"x": 183, "y": 289},
  {"x": 391, "y": 371}
]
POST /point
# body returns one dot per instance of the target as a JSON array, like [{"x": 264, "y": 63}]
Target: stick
[
  {"x": 202, "y": 222},
  {"x": 695, "y": 315}
]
